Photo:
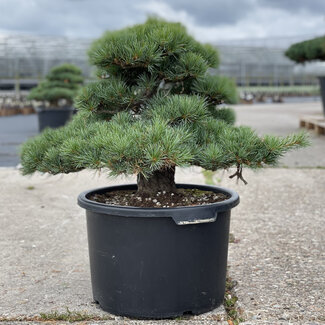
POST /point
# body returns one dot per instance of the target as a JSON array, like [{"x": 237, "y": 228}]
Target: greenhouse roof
[
  {"x": 24, "y": 46},
  {"x": 254, "y": 55},
  {"x": 27, "y": 56}
]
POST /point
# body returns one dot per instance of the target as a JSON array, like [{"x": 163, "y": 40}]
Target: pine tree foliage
[
  {"x": 62, "y": 82},
  {"x": 310, "y": 50},
  {"x": 153, "y": 108},
  {"x": 216, "y": 89}
]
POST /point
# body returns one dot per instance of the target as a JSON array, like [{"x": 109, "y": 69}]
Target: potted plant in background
[
  {"x": 157, "y": 249},
  {"x": 310, "y": 50},
  {"x": 60, "y": 87}
]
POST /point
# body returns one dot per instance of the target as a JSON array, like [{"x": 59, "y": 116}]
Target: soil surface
[{"x": 183, "y": 197}]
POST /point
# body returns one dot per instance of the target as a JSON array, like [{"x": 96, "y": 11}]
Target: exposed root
[{"x": 239, "y": 174}]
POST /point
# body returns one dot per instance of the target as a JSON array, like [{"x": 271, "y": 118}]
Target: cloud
[
  {"x": 215, "y": 12},
  {"x": 207, "y": 20},
  {"x": 310, "y": 6},
  {"x": 262, "y": 22},
  {"x": 76, "y": 18}
]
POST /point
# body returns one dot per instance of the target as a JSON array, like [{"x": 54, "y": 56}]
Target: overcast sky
[{"x": 207, "y": 20}]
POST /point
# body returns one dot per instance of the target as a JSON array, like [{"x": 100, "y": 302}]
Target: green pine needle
[{"x": 153, "y": 108}]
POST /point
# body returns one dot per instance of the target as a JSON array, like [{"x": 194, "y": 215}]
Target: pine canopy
[
  {"x": 154, "y": 107},
  {"x": 310, "y": 50},
  {"x": 62, "y": 82}
]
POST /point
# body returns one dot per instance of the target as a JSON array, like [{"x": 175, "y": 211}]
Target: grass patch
[
  {"x": 71, "y": 316},
  {"x": 296, "y": 167},
  {"x": 208, "y": 177},
  {"x": 305, "y": 90},
  {"x": 30, "y": 188},
  {"x": 230, "y": 303},
  {"x": 233, "y": 239}
]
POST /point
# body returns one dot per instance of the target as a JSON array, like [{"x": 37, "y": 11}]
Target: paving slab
[{"x": 277, "y": 257}]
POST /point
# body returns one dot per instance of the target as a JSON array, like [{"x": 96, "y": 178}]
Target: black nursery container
[
  {"x": 53, "y": 117},
  {"x": 322, "y": 91},
  {"x": 158, "y": 262}
]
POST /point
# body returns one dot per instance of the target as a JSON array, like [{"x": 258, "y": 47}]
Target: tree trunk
[
  {"x": 161, "y": 180},
  {"x": 54, "y": 103}
]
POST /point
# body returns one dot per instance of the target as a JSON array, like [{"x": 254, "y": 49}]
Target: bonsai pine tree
[
  {"x": 154, "y": 108},
  {"x": 62, "y": 82},
  {"x": 310, "y": 50}
]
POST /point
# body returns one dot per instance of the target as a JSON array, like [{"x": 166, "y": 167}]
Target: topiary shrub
[
  {"x": 62, "y": 82},
  {"x": 309, "y": 50},
  {"x": 153, "y": 109}
]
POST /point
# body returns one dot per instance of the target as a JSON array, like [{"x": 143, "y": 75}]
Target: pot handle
[{"x": 183, "y": 219}]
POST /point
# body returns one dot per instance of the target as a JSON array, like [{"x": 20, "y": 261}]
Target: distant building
[
  {"x": 24, "y": 60},
  {"x": 251, "y": 66}
]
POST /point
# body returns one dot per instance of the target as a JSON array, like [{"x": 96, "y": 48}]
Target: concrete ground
[
  {"x": 43, "y": 246},
  {"x": 276, "y": 257}
]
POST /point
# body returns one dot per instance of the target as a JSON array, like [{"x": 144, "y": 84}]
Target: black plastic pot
[
  {"x": 322, "y": 91},
  {"x": 158, "y": 262},
  {"x": 53, "y": 117}
]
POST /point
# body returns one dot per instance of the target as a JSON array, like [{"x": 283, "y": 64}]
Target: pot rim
[
  {"x": 42, "y": 109},
  {"x": 131, "y": 211}
]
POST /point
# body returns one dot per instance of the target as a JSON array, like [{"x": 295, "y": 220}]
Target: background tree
[
  {"x": 62, "y": 82},
  {"x": 310, "y": 50},
  {"x": 154, "y": 108}
]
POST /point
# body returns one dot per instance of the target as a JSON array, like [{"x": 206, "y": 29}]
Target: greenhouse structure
[{"x": 25, "y": 60}]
